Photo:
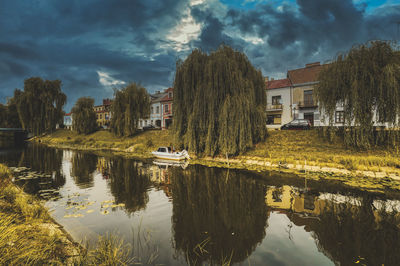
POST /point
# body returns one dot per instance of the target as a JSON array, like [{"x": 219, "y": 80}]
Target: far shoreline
[{"x": 370, "y": 178}]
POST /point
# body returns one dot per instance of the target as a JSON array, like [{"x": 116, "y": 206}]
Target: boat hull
[{"x": 173, "y": 157}]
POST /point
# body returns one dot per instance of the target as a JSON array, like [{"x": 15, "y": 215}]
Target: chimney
[{"x": 313, "y": 64}]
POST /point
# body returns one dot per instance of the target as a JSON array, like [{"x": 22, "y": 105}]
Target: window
[
  {"x": 339, "y": 117},
  {"x": 276, "y": 100},
  {"x": 170, "y": 94},
  {"x": 274, "y": 119},
  {"x": 141, "y": 123},
  {"x": 158, "y": 109},
  {"x": 166, "y": 108},
  {"x": 152, "y": 110},
  {"x": 308, "y": 98}
]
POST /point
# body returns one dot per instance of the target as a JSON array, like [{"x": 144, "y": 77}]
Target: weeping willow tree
[
  {"x": 83, "y": 116},
  {"x": 219, "y": 103},
  {"x": 130, "y": 104},
  {"x": 39, "y": 105},
  {"x": 366, "y": 81},
  {"x": 221, "y": 211}
]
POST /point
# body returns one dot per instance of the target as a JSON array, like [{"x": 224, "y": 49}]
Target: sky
[{"x": 93, "y": 46}]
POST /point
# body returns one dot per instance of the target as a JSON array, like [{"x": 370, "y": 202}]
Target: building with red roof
[
  {"x": 303, "y": 81},
  {"x": 278, "y": 102}
]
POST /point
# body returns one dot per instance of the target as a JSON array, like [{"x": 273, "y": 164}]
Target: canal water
[{"x": 180, "y": 214}]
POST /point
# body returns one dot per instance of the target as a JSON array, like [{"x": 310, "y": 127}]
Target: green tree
[
  {"x": 83, "y": 116},
  {"x": 39, "y": 105},
  {"x": 366, "y": 80},
  {"x": 130, "y": 104},
  {"x": 219, "y": 103},
  {"x": 9, "y": 115}
]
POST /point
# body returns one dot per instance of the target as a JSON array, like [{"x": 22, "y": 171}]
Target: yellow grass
[
  {"x": 140, "y": 145},
  {"x": 296, "y": 151},
  {"x": 306, "y": 147},
  {"x": 29, "y": 236}
]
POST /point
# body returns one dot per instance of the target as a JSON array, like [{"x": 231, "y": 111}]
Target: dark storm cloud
[
  {"x": 312, "y": 31},
  {"x": 126, "y": 39},
  {"x": 73, "y": 40},
  {"x": 212, "y": 34}
]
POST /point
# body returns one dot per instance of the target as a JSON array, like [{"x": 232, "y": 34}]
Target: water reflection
[
  {"x": 83, "y": 166},
  {"x": 129, "y": 183},
  {"x": 39, "y": 159},
  {"x": 210, "y": 215},
  {"x": 347, "y": 229},
  {"x": 218, "y": 216}
]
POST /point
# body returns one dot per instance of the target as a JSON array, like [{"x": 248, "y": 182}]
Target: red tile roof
[
  {"x": 306, "y": 74},
  {"x": 166, "y": 98},
  {"x": 278, "y": 83}
]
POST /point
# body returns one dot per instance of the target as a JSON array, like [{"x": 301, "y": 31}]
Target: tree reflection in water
[
  {"x": 347, "y": 233},
  {"x": 347, "y": 229},
  {"x": 218, "y": 215},
  {"x": 129, "y": 183},
  {"x": 45, "y": 160},
  {"x": 83, "y": 166}
]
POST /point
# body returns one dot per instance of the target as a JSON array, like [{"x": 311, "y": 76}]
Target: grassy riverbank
[
  {"x": 29, "y": 236},
  {"x": 290, "y": 151}
]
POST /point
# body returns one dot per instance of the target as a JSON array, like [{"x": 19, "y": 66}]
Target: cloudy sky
[{"x": 95, "y": 45}]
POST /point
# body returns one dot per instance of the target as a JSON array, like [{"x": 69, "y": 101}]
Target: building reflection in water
[{"x": 345, "y": 228}]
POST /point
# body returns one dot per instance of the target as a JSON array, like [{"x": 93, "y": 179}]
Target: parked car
[
  {"x": 148, "y": 127},
  {"x": 297, "y": 124}
]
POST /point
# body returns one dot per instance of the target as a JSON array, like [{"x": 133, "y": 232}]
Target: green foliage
[
  {"x": 219, "y": 102},
  {"x": 365, "y": 80},
  {"x": 39, "y": 106},
  {"x": 130, "y": 104},
  {"x": 83, "y": 116},
  {"x": 9, "y": 115}
]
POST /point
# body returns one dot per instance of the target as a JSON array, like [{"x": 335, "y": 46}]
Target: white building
[
  {"x": 156, "y": 112},
  {"x": 279, "y": 103}
]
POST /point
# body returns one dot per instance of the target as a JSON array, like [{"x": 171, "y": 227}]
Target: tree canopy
[
  {"x": 130, "y": 104},
  {"x": 219, "y": 102},
  {"x": 9, "y": 115},
  {"x": 83, "y": 116},
  {"x": 40, "y": 104},
  {"x": 366, "y": 81}
]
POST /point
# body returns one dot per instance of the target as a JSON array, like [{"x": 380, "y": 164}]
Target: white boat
[{"x": 167, "y": 153}]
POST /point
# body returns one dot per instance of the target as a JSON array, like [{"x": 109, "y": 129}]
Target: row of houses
[
  {"x": 160, "y": 112},
  {"x": 287, "y": 99},
  {"x": 293, "y": 98}
]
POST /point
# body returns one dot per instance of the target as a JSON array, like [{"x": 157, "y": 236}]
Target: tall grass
[{"x": 28, "y": 235}]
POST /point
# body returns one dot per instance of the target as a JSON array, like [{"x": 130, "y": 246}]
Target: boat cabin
[{"x": 165, "y": 149}]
